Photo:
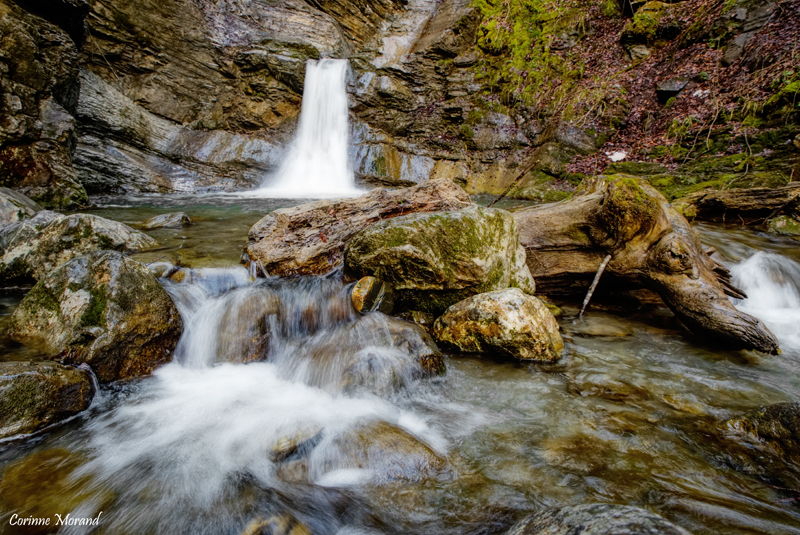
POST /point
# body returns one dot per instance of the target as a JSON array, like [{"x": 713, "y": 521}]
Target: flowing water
[
  {"x": 282, "y": 402},
  {"x": 317, "y": 164}
]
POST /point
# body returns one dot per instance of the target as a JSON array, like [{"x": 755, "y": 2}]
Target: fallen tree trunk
[
  {"x": 309, "y": 239},
  {"x": 749, "y": 203},
  {"x": 650, "y": 244}
]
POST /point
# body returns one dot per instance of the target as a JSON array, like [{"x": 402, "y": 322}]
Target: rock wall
[{"x": 38, "y": 93}]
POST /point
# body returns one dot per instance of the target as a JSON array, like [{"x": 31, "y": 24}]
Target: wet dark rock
[
  {"x": 298, "y": 444},
  {"x": 505, "y": 321},
  {"x": 370, "y": 294},
  {"x": 596, "y": 519},
  {"x": 774, "y": 429},
  {"x": 102, "y": 309},
  {"x": 15, "y": 206},
  {"x": 417, "y": 343},
  {"x": 433, "y": 260},
  {"x": 39, "y": 62},
  {"x": 670, "y": 88},
  {"x": 162, "y": 269},
  {"x": 311, "y": 238},
  {"x": 34, "y": 395},
  {"x": 388, "y": 452},
  {"x": 170, "y": 220},
  {"x": 32, "y": 249}
]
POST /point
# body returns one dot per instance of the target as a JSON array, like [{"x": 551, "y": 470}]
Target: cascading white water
[
  {"x": 317, "y": 164},
  {"x": 772, "y": 285}
]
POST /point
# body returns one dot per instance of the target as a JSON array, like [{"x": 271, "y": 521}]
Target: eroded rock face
[
  {"x": 433, "y": 260},
  {"x": 505, "y": 321},
  {"x": 34, "y": 395},
  {"x": 15, "y": 206},
  {"x": 39, "y": 91},
  {"x": 596, "y": 519},
  {"x": 310, "y": 238},
  {"x": 34, "y": 248},
  {"x": 102, "y": 309}
]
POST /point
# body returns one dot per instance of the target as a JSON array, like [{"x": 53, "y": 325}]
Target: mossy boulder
[
  {"x": 504, "y": 321},
  {"x": 34, "y": 395},
  {"x": 434, "y": 260},
  {"x": 596, "y": 519},
  {"x": 784, "y": 225},
  {"x": 103, "y": 309},
  {"x": 32, "y": 252},
  {"x": 15, "y": 206}
]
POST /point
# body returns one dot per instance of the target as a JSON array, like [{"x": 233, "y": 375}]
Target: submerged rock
[
  {"x": 34, "y": 395},
  {"x": 775, "y": 429},
  {"x": 32, "y": 251},
  {"x": 284, "y": 524},
  {"x": 435, "y": 260},
  {"x": 310, "y": 238},
  {"x": 596, "y": 519},
  {"x": 15, "y": 206},
  {"x": 102, "y": 309},
  {"x": 507, "y": 321},
  {"x": 170, "y": 220},
  {"x": 385, "y": 453}
]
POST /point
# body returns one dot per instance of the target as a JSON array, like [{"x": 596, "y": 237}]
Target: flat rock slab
[
  {"x": 34, "y": 395},
  {"x": 310, "y": 239}
]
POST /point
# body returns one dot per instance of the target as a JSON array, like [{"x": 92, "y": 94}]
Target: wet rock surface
[
  {"x": 311, "y": 238},
  {"x": 34, "y": 395},
  {"x": 505, "y": 321},
  {"x": 387, "y": 453},
  {"x": 596, "y": 519},
  {"x": 370, "y": 294},
  {"x": 435, "y": 260},
  {"x": 102, "y": 309},
  {"x": 34, "y": 248}
]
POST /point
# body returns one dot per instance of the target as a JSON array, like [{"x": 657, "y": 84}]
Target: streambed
[{"x": 628, "y": 415}]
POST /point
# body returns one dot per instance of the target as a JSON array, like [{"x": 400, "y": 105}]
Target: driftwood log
[
  {"x": 650, "y": 244},
  {"x": 749, "y": 203}
]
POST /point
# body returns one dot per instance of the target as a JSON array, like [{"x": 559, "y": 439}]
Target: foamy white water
[
  {"x": 317, "y": 164},
  {"x": 772, "y": 285}
]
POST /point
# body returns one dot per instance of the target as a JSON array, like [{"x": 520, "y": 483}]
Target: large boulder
[
  {"x": 34, "y": 395},
  {"x": 310, "y": 238},
  {"x": 596, "y": 519},
  {"x": 433, "y": 260},
  {"x": 15, "y": 206},
  {"x": 102, "y": 309},
  {"x": 506, "y": 321},
  {"x": 34, "y": 249}
]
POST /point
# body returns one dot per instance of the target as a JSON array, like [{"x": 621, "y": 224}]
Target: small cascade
[
  {"x": 317, "y": 164},
  {"x": 772, "y": 285}
]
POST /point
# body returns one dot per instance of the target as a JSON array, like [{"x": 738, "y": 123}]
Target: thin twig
[{"x": 594, "y": 284}]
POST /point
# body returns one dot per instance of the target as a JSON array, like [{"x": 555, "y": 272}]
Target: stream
[{"x": 626, "y": 417}]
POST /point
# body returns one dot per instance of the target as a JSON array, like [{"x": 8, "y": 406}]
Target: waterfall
[
  {"x": 317, "y": 164},
  {"x": 772, "y": 284}
]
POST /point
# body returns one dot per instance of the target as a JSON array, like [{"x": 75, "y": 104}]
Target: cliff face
[
  {"x": 196, "y": 95},
  {"x": 38, "y": 93}
]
